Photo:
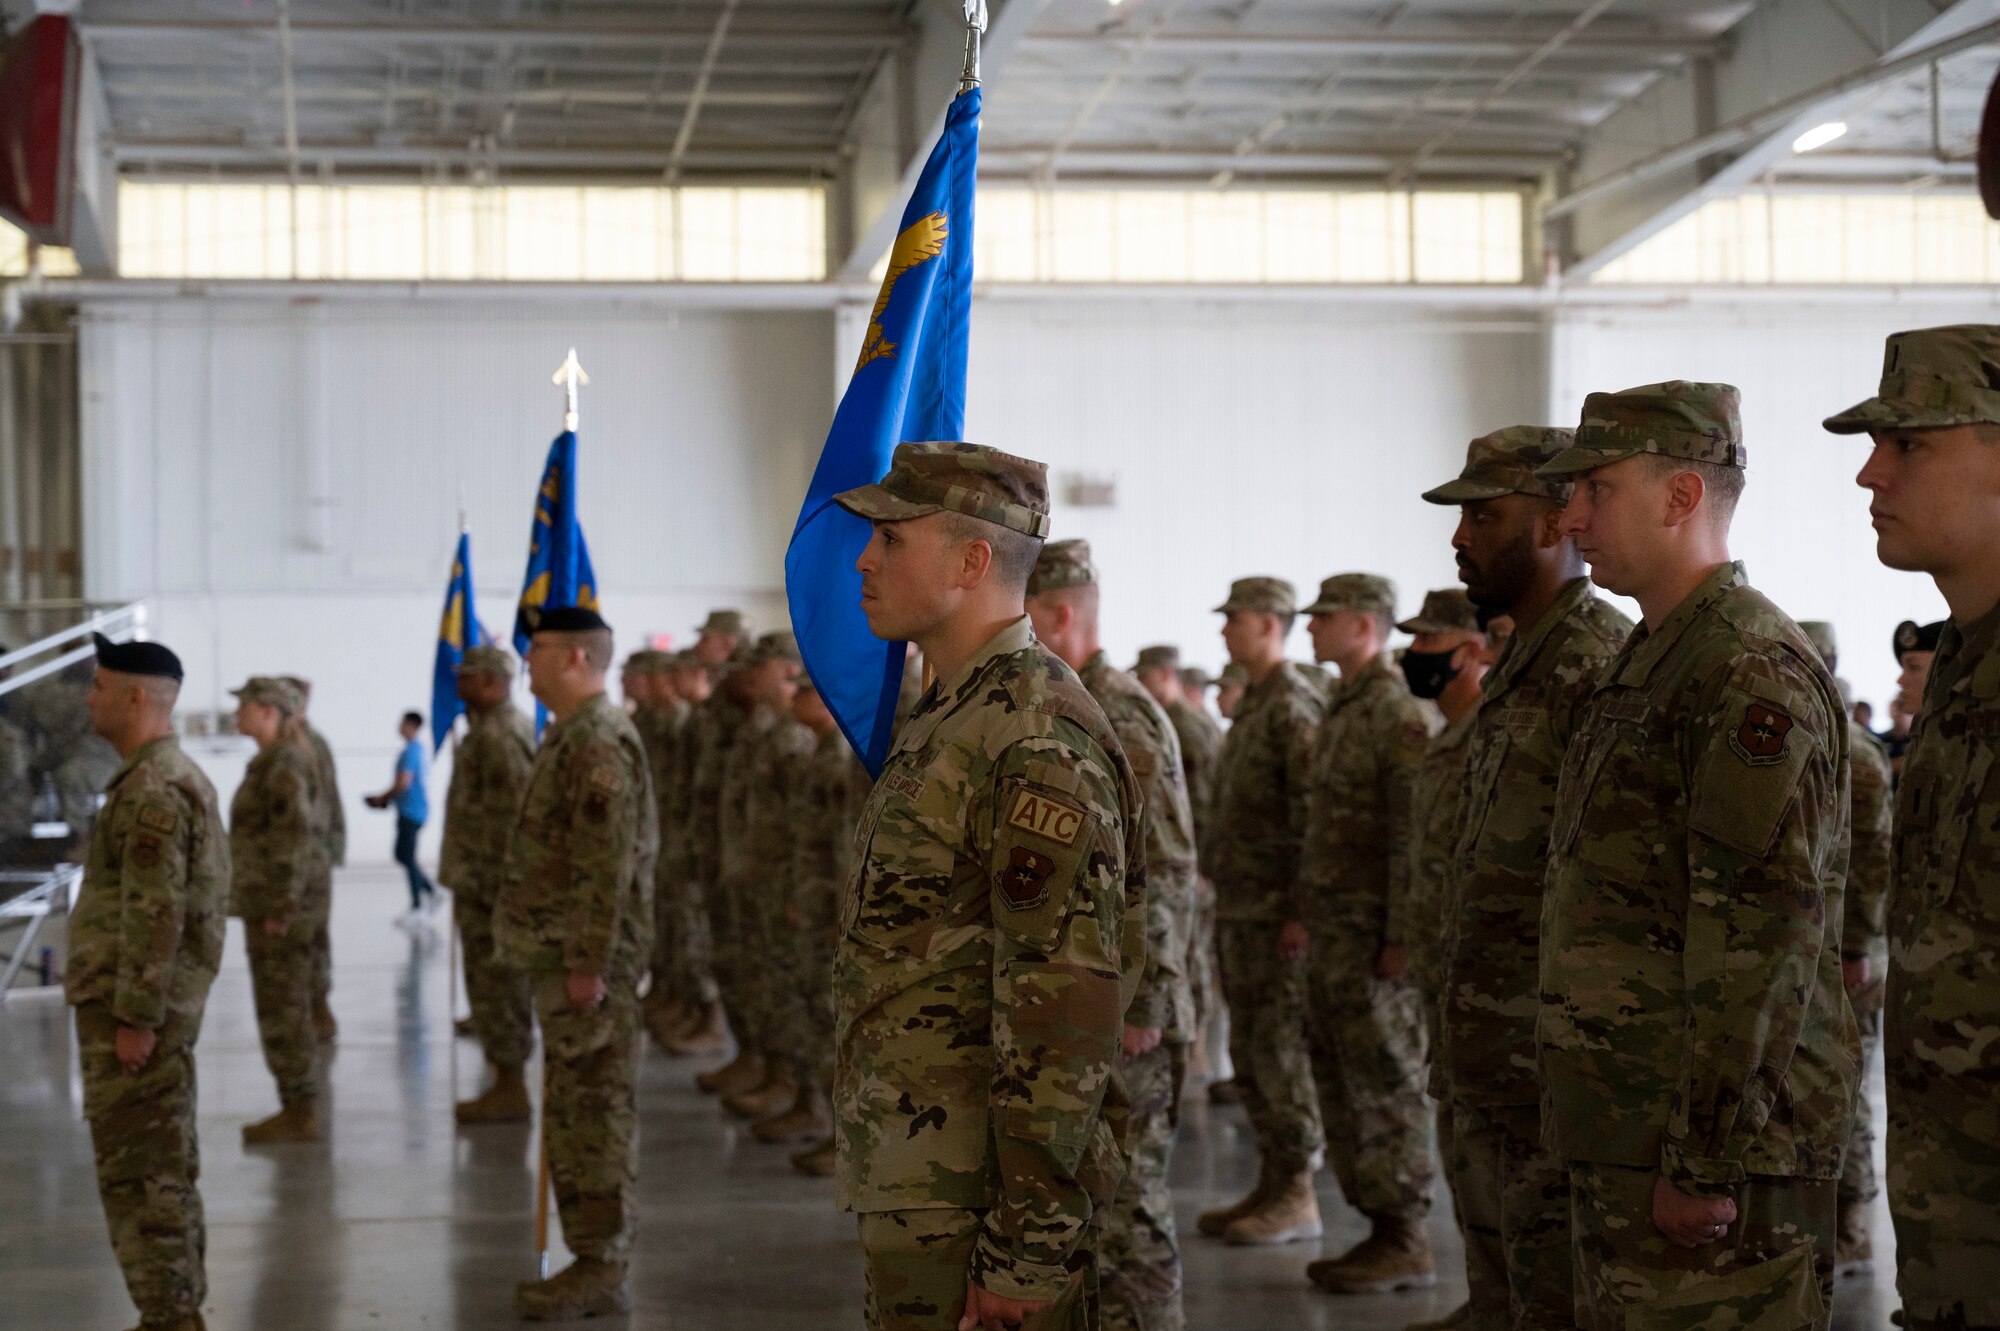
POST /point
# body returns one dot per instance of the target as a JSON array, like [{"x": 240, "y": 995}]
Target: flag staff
[
  {"x": 570, "y": 375},
  {"x": 975, "y": 27}
]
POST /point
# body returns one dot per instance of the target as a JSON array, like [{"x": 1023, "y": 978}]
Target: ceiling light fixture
[{"x": 1819, "y": 136}]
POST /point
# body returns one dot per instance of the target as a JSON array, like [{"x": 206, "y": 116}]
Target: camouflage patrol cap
[
  {"x": 303, "y": 685},
  {"x": 1932, "y": 377},
  {"x": 1194, "y": 679},
  {"x": 1914, "y": 637},
  {"x": 271, "y": 691},
  {"x": 1270, "y": 596},
  {"x": 648, "y": 661},
  {"x": 1233, "y": 674},
  {"x": 972, "y": 479},
  {"x": 1676, "y": 419},
  {"x": 728, "y": 623},
  {"x": 1355, "y": 591},
  {"x": 1447, "y": 610},
  {"x": 487, "y": 660},
  {"x": 1821, "y": 635},
  {"x": 684, "y": 659},
  {"x": 777, "y": 645},
  {"x": 1160, "y": 656},
  {"x": 1061, "y": 565},
  {"x": 1504, "y": 462}
]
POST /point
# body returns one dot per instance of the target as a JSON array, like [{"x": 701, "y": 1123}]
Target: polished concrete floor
[{"x": 400, "y": 1221}]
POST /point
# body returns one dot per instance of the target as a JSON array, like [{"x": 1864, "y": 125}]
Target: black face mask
[{"x": 1428, "y": 672}]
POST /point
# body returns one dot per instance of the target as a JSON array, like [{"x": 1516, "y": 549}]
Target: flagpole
[{"x": 975, "y": 27}]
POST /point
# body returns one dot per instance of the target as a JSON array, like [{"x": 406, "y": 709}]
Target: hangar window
[
  {"x": 1247, "y": 236},
  {"x": 506, "y": 233},
  {"x": 14, "y": 256},
  {"x": 1774, "y": 237}
]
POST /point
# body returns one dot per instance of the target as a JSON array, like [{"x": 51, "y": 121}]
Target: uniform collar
[
  {"x": 1646, "y": 649},
  {"x": 140, "y": 755},
  {"x": 940, "y": 699},
  {"x": 1969, "y": 657},
  {"x": 584, "y": 708},
  {"x": 1526, "y": 644},
  {"x": 1380, "y": 667}
]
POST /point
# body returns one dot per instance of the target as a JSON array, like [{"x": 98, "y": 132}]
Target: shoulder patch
[
  {"x": 1760, "y": 739},
  {"x": 156, "y": 819},
  {"x": 607, "y": 779},
  {"x": 1041, "y": 813},
  {"x": 145, "y": 853},
  {"x": 1025, "y": 882}
]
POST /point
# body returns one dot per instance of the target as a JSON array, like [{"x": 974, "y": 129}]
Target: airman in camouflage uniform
[
  {"x": 1437, "y": 794},
  {"x": 1697, "y": 1051},
  {"x": 17, "y": 787},
  {"x": 489, "y": 776},
  {"x": 1139, "y": 1253},
  {"x": 724, "y": 727},
  {"x": 660, "y": 717},
  {"x": 1864, "y": 951},
  {"x": 1511, "y": 1190},
  {"x": 826, "y": 808},
  {"x": 277, "y": 838},
  {"x": 575, "y": 912},
  {"x": 1229, "y": 688},
  {"x": 699, "y": 1028},
  {"x": 1364, "y": 1017},
  {"x": 1935, "y": 481},
  {"x": 334, "y": 855},
  {"x": 1257, "y": 821},
  {"x": 145, "y": 943},
  {"x": 990, "y": 931}
]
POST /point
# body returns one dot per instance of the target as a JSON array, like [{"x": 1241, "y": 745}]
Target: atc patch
[
  {"x": 1760, "y": 740},
  {"x": 1025, "y": 884},
  {"x": 155, "y": 819},
  {"x": 1039, "y": 813}
]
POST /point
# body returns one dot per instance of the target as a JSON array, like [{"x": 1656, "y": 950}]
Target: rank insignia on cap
[
  {"x": 1026, "y": 882},
  {"x": 1038, "y": 813},
  {"x": 1760, "y": 740}
]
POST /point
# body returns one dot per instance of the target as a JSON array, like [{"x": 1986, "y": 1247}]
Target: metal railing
[
  {"x": 117, "y": 623},
  {"x": 30, "y": 897}
]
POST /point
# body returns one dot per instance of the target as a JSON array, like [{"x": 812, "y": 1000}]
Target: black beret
[
  {"x": 137, "y": 658},
  {"x": 564, "y": 619},
  {"x": 1914, "y": 637}
]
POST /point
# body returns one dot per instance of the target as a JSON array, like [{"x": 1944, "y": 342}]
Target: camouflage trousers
[
  {"x": 1202, "y": 978},
  {"x": 1944, "y": 1196},
  {"x": 1857, "y": 1168},
  {"x": 142, "y": 1128},
  {"x": 503, "y": 1010},
  {"x": 1513, "y": 1207},
  {"x": 1139, "y": 1255},
  {"x": 1267, "y": 1043},
  {"x": 681, "y": 967},
  {"x": 741, "y": 973},
  {"x": 590, "y": 1113},
  {"x": 319, "y": 906},
  {"x": 1366, "y": 1038},
  {"x": 916, "y": 1263},
  {"x": 281, "y": 979},
  {"x": 804, "y": 1002},
  {"x": 1773, "y": 1270}
]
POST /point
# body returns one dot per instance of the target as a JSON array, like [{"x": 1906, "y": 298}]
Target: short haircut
[
  {"x": 413, "y": 719},
  {"x": 1285, "y": 622},
  {"x": 160, "y": 691},
  {"x": 597, "y": 646},
  {"x": 1014, "y": 553},
  {"x": 1722, "y": 485}
]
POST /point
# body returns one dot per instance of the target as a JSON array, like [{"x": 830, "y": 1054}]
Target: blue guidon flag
[
  {"x": 909, "y": 384},
  {"x": 458, "y": 629}
]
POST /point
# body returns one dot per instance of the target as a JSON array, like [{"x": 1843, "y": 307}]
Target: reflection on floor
[{"x": 399, "y": 1221}]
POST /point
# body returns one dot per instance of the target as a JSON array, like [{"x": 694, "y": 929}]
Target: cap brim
[
  {"x": 1574, "y": 461},
  {"x": 1462, "y": 491},
  {"x": 878, "y": 505},
  {"x": 1882, "y": 414}
]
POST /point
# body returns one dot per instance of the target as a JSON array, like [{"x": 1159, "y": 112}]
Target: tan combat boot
[
  {"x": 287, "y": 1125},
  {"x": 587, "y": 1287},
  {"x": 1289, "y": 1214},
  {"x": 1451, "y": 1321},
  {"x": 704, "y": 1032},
  {"x": 324, "y": 1026},
  {"x": 806, "y": 1118},
  {"x": 1396, "y": 1255},
  {"x": 1854, "y": 1248},
  {"x": 743, "y": 1073},
  {"x": 1225, "y": 1093},
  {"x": 1213, "y": 1223},
  {"x": 778, "y": 1091},
  {"x": 664, "y": 1019},
  {"x": 505, "y": 1101},
  {"x": 816, "y": 1160}
]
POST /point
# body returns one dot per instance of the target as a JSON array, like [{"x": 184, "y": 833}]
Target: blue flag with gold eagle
[
  {"x": 559, "y": 571},
  {"x": 458, "y": 629},
  {"x": 909, "y": 385}
]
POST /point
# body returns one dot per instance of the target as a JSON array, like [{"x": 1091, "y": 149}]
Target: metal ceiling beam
[
  {"x": 366, "y": 156},
  {"x": 709, "y": 56},
  {"x": 1317, "y": 45},
  {"x": 1141, "y": 162},
  {"x": 808, "y": 28},
  {"x": 363, "y": 94},
  {"x": 1706, "y": 132}
]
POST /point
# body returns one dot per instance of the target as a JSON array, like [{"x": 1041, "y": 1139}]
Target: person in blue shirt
[{"x": 412, "y": 807}]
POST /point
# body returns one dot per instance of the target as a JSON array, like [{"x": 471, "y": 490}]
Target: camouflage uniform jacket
[
  {"x": 826, "y": 806},
  {"x": 1868, "y": 865},
  {"x": 1166, "y": 996},
  {"x": 578, "y": 893},
  {"x": 777, "y": 770},
  {"x": 329, "y": 784},
  {"x": 146, "y": 935},
  {"x": 489, "y": 774},
  {"x": 1258, "y": 815},
  {"x": 17, "y": 784},
  {"x": 1529, "y": 706},
  {"x": 1354, "y": 865},
  {"x": 277, "y": 832},
  {"x": 1692, "y": 1016},
  {"x": 981, "y": 975},
  {"x": 712, "y": 733},
  {"x": 1944, "y": 914},
  {"x": 1436, "y": 801},
  {"x": 1201, "y": 750},
  {"x": 667, "y": 747},
  {"x": 739, "y": 780}
]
